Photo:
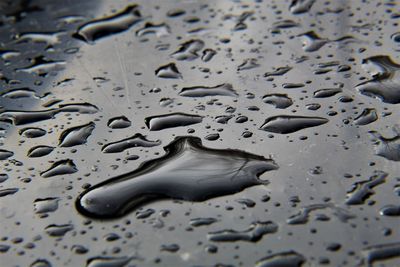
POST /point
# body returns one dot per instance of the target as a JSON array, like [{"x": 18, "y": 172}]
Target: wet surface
[{"x": 199, "y": 133}]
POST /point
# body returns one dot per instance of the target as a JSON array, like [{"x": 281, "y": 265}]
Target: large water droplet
[
  {"x": 188, "y": 171},
  {"x": 18, "y": 93},
  {"x": 388, "y": 148},
  {"x": 8, "y": 191},
  {"x": 19, "y": 117},
  {"x": 99, "y": 28},
  {"x": 360, "y": 191},
  {"x": 49, "y": 38},
  {"x": 381, "y": 252},
  {"x": 5, "y": 154},
  {"x": 385, "y": 82}
]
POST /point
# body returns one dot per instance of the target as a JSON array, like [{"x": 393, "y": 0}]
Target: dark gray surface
[{"x": 320, "y": 168}]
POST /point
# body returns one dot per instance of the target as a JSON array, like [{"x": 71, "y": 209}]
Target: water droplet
[
  {"x": 385, "y": 82},
  {"x": 208, "y": 54},
  {"x": 32, "y": 132},
  {"x": 161, "y": 122},
  {"x": 79, "y": 249},
  {"x": 196, "y": 222},
  {"x": 166, "y": 101},
  {"x": 49, "y": 38},
  {"x": 143, "y": 214},
  {"x": 360, "y": 191},
  {"x": 390, "y": 210},
  {"x": 388, "y": 148},
  {"x": 3, "y": 177},
  {"x": 282, "y": 259},
  {"x": 224, "y": 89},
  {"x": 119, "y": 122},
  {"x": 248, "y": 64},
  {"x": 61, "y": 167},
  {"x": 189, "y": 50},
  {"x": 312, "y": 42},
  {"x": 76, "y": 135},
  {"x": 176, "y": 12},
  {"x": 188, "y": 171},
  {"x": 20, "y": 117},
  {"x": 169, "y": 71},
  {"x": 278, "y": 71},
  {"x": 284, "y": 24},
  {"x": 367, "y": 116},
  {"x": 41, "y": 263},
  {"x": 396, "y": 37},
  {"x": 100, "y": 28},
  {"x": 8, "y": 191},
  {"x": 290, "y": 124},
  {"x": 42, "y": 66},
  {"x": 108, "y": 262},
  {"x": 170, "y": 248},
  {"x": 58, "y": 230},
  {"x": 300, "y": 6},
  {"x": 39, "y": 151},
  {"x": 253, "y": 234},
  {"x": 247, "y": 202},
  {"x": 136, "y": 140},
  {"x": 328, "y": 92},
  {"x": 381, "y": 252},
  {"x": 313, "y": 106},
  {"x": 159, "y": 30},
  {"x": 212, "y": 137},
  {"x": 292, "y": 85},
  {"x": 18, "y": 93},
  {"x": 303, "y": 216},
  {"x": 223, "y": 119},
  {"x": 45, "y": 205},
  {"x": 280, "y": 101},
  {"x": 5, "y": 154}
]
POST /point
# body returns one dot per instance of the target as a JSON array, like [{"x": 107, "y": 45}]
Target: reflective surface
[{"x": 198, "y": 103}]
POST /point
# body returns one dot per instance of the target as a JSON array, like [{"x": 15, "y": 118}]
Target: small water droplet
[
  {"x": 290, "y": 124},
  {"x": 224, "y": 89},
  {"x": 59, "y": 168},
  {"x": 253, "y": 234},
  {"x": 161, "y": 122}
]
